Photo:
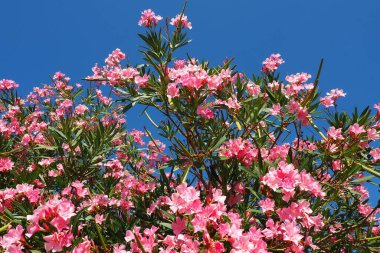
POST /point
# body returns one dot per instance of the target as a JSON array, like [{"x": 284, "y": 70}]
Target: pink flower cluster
[
  {"x": 240, "y": 149},
  {"x": 332, "y": 97},
  {"x": 114, "y": 58},
  {"x": 193, "y": 217},
  {"x": 149, "y": 18},
  {"x": 272, "y": 63},
  {"x": 287, "y": 178},
  {"x": 53, "y": 217},
  {"x": 7, "y": 85},
  {"x": 21, "y": 192},
  {"x": 13, "y": 240},
  {"x": 181, "y": 19},
  {"x": 6, "y": 164}
]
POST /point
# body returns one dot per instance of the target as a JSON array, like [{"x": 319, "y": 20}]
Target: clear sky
[{"x": 40, "y": 37}]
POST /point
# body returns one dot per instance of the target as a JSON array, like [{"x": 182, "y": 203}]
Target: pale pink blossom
[
  {"x": 173, "y": 90},
  {"x": 181, "y": 18},
  {"x": 335, "y": 134},
  {"x": 375, "y": 153},
  {"x": 99, "y": 218},
  {"x": 356, "y": 129},
  {"x": 83, "y": 247},
  {"x": 272, "y": 63},
  {"x": 267, "y": 204},
  {"x": 291, "y": 232},
  {"x": 7, "y": 85},
  {"x": 275, "y": 110},
  {"x": 81, "y": 109},
  {"x": 149, "y": 18}
]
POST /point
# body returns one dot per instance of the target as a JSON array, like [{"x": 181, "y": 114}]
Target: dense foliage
[{"x": 239, "y": 164}]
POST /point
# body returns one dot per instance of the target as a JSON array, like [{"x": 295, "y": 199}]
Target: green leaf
[{"x": 363, "y": 179}]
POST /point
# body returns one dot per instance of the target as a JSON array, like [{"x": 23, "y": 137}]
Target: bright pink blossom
[
  {"x": 178, "y": 226},
  {"x": 205, "y": 112}
]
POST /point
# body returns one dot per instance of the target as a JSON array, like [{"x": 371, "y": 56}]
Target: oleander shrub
[{"x": 229, "y": 162}]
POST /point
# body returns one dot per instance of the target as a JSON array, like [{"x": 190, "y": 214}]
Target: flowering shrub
[{"x": 240, "y": 166}]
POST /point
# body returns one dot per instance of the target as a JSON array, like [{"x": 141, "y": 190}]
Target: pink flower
[
  {"x": 375, "y": 153},
  {"x": 271, "y": 63},
  {"x": 79, "y": 190},
  {"x": 332, "y": 97},
  {"x": 356, "y": 129},
  {"x": 272, "y": 229},
  {"x": 185, "y": 200},
  {"x": 376, "y": 230},
  {"x": 253, "y": 89},
  {"x": 104, "y": 100},
  {"x": 46, "y": 161},
  {"x": 58, "y": 76},
  {"x": 291, "y": 232},
  {"x": 178, "y": 226},
  {"x": 179, "y": 64},
  {"x": 11, "y": 241},
  {"x": 149, "y": 18},
  {"x": 26, "y": 139},
  {"x": 267, "y": 204},
  {"x": 365, "y": 210},
  {"x": 80, "y": 109},
  {"x": 287, "y": 178},
  {"x": 336, "y": 165},
  {"x": 7, "y": 85},
  {"x": 327, "y": 101},
  {"x": 183, "y": 19},
  {"x": 335, "y": 134},
  {"x": 6, "y": 164},
  {"x": 241, "y": 149},
  {"x": 56, "y": 212},
  {"x": 298, "y": 78},
  {"x": 99, "y": 218},
  {"x": 173, "y": 90},
  {"x": 142, "y": 81},
  {"x": 372, "y": 134},
  {"x": 275, "y": 110},
  {"x": 377, "y": 106},
  {"x": 303, "y": 116},
  {"x": 114, "y": 58},
  {"x": 83, "y": 247},
  {"x": 231, "y": 103},
  {"x": 205, "y": 112},
  {"x": 293, "y": 106},
  {"x": 336, "y": 93},
  {"x": 119, "y": 248},
  {"x": 57, "y": 241},
  {"x": 67, "y": 103},
  {"x": 199, "y": 222}
]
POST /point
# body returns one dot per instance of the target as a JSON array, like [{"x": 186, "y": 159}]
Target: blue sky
[{"x": 41, "y": 37}]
